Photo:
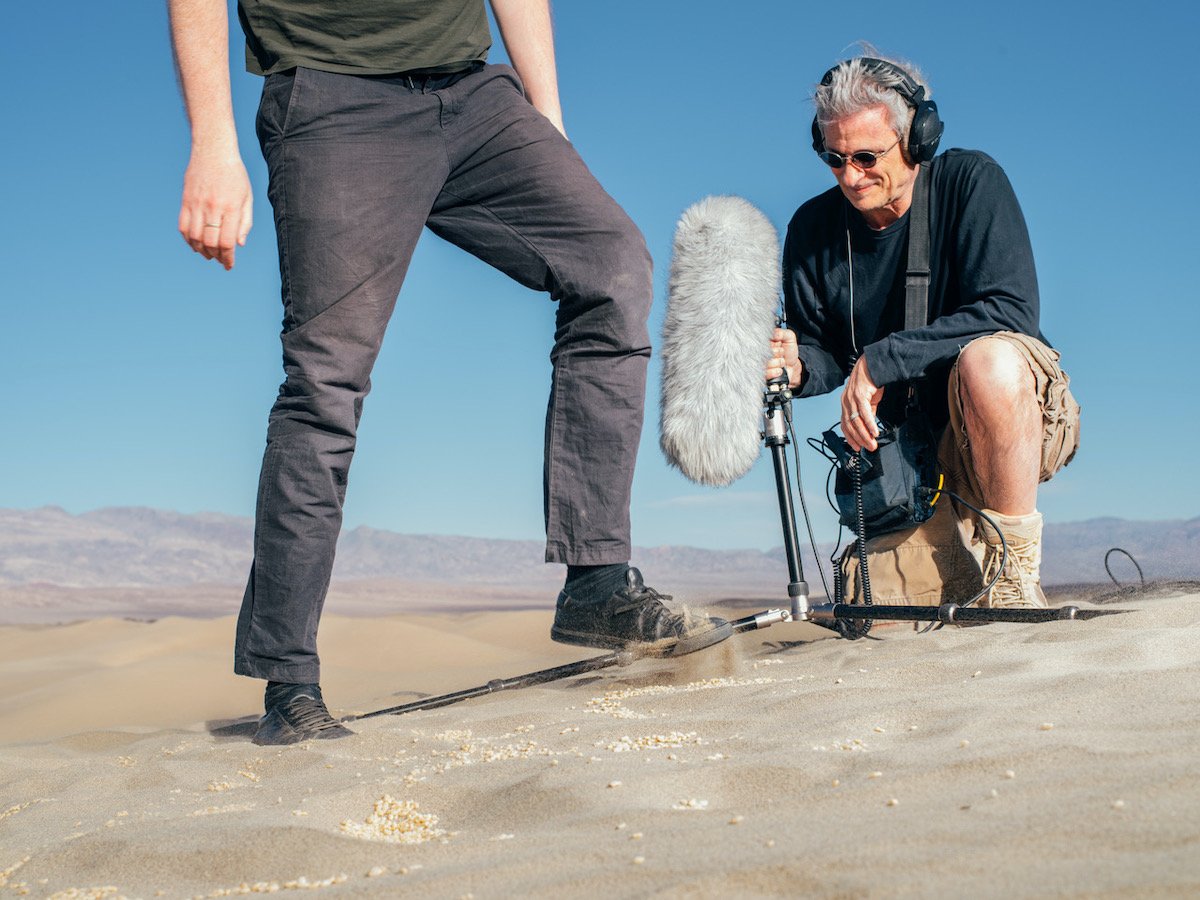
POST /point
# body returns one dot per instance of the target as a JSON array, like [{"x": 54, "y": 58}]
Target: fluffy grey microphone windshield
[{"x": 723, "y": 296}]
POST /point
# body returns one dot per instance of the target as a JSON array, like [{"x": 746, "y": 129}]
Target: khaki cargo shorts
[{"x": 938, "y": 561}]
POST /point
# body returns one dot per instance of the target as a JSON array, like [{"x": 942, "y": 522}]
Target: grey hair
[{"x": 856, "y": 86}]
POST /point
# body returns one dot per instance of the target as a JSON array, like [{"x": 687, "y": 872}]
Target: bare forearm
[
  {"x": 200, "y": 37},
  {"x": 216, "y": 212},
  {"x": 528, "y": 35}
]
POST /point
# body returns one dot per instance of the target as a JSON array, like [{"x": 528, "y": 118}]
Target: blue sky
[{"x": 135, "y": 373}]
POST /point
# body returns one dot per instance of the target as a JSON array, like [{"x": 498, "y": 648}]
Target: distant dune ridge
[{"x": 148, "y": 562}]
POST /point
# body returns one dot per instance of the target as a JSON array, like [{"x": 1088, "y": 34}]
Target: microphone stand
[{"x": 777, "y": 419}]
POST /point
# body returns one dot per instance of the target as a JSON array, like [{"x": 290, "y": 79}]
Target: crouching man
[{"x": 984, "y": 373}]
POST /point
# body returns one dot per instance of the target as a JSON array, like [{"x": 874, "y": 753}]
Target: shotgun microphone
[{"x": 722, "y": 303}]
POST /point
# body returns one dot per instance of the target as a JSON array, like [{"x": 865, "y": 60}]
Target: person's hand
[
  {"x": 217, "y": 209},
  {"x": 784, "y": 357},
  {"x": 860, "y": 400}
]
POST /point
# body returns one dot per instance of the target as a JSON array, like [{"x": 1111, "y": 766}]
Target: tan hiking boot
[{"x": 1020, "y": 584}]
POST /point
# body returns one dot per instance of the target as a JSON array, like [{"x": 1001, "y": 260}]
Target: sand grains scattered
[{"x": 397, "y": 822}]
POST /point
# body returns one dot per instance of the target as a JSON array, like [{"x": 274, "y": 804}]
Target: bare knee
[{"x": 994, "y": 377}]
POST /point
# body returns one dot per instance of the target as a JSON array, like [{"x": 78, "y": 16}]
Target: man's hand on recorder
[
  {"x": 785, "y": 357},
  {"x": 860, "y": 400}
]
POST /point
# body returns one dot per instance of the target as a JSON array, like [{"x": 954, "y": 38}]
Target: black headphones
[{"x": 926, "y": 129}]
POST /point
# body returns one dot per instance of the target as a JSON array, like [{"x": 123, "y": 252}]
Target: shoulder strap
[{"x": 916, "y": 281}]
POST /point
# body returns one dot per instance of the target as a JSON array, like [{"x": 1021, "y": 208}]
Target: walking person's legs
[{"x": 354, "y": 167}]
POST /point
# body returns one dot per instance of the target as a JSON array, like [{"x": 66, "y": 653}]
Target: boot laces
[
  {"x": 645, "y": 598},
  {"x": 656, "y": 620},
  {"x": 1017, "y": 584}
]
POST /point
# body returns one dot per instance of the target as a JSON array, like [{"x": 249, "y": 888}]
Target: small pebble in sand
[
  {"x": 893, "y": 802},
  {"x": 879, "y": 729},
  {"x": 964, "y": 743},
  {"x": 976, "y": 674},
  {"x": 621, "y": 826},
  {"x": 837, "y": 782},
  {"x": 636, "y": 836},
  {"x": 614, "y": 784},
  {"x": 554, "y": 762},
  {"x": 638, "y": 860},
  {"x": 1009, "y": 773},
  {"x": 994, "y": 793},
  {"x": 837, "y": 681},
  {"x": 771, "y": 843},
  {"x": 376, "y": 871},
  {"x": 1046, "y": 726},
  {"x": 737, "y": 820},
  {"x": 875, "y": 775},
  {"x": 912, "y": 727},
  {"x": 1118, "y": 804}
]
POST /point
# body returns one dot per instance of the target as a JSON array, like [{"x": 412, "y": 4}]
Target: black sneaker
[
  {"x": 635, "y": 617},
  {"x": 295, "y": 713}
]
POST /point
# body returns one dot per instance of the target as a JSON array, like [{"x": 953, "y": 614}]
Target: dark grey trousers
[{"x": 358, "y": 166}]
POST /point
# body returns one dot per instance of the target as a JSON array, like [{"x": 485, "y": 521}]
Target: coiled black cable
[
  {"x": 859, "y": 628},
  {"x": 1113, "y": 550}
]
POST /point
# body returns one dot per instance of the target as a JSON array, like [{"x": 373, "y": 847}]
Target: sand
[{"x": 1000, "y": 761}]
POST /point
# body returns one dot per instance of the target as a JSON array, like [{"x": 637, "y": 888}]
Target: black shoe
[
  {"x": 635, "y": 618},
  {"x": 295, "y": 713}
]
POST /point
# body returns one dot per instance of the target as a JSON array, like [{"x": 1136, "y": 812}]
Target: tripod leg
[
  {"x": 544, "y": 676},
  {"x": 776, "y": 438}
]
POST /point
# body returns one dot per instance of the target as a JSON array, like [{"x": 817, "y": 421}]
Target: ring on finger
[{"x": 854, "y": 415}]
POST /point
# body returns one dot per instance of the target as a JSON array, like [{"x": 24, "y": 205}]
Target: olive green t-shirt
[{"x": 364, "y": 37}]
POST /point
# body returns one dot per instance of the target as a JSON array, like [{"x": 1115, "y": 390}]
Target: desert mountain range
[{"x": 132, "y": 560}]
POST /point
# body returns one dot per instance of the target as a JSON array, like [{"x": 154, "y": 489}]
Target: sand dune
[{"x": 1027, "y": 761}]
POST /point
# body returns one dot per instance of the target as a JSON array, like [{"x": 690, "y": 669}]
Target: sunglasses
[{"x": 864, "y": 159}]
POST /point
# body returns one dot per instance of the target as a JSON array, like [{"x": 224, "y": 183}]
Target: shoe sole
[{"x": 667, "y": 647}]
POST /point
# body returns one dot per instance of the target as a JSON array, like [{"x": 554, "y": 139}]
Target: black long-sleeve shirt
[{"x": 983, "y": 281}]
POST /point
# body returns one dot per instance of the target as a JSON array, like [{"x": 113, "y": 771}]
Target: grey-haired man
[{"x": 981, "y": 366}]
